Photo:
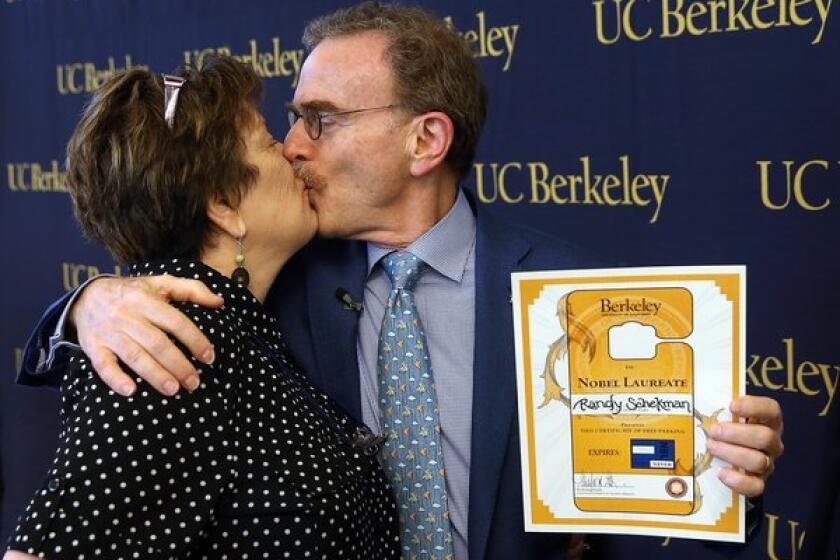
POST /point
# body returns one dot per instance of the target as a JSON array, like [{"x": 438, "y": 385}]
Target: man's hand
[
  {"x": 129, "y": 319},
  {"x": 753, "y": 446}
]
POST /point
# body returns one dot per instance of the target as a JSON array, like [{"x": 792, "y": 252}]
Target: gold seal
[{"x": 676, "y": 487}]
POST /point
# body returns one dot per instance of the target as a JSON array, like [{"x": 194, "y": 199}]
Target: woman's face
[{"x": 276, "y": 208}]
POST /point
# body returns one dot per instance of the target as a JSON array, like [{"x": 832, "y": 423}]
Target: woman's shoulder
[
  {"x": 80, "y": 381},
  {"x": 220, "y": 325},
  {"x": 223, "y": 325}
]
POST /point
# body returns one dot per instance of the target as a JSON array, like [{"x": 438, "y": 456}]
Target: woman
[{"x": 182, "y": 177}]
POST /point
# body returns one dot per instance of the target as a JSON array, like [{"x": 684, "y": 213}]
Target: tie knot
[{"x": 403, "y": 269}]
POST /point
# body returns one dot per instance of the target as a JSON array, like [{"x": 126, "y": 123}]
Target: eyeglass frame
[{"x": 294, "y": 116}]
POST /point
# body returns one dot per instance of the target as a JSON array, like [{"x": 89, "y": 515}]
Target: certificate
[{"x": 621, "y": 373}]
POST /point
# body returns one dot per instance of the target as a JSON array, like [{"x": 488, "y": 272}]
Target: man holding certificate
[{"x": 382, "y": 136}]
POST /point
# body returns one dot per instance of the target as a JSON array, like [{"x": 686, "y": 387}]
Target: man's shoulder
[{"x": 539, "y": 249}]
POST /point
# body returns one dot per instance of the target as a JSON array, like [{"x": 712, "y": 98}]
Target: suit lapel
[
  {"x": 334, "y": 265},
  {"x": 498, "y": 253}
]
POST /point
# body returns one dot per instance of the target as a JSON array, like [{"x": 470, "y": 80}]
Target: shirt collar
[{"x": 445, "y": 247}]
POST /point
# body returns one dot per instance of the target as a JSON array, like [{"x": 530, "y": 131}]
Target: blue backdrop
[{"x": 655, "y": 131}]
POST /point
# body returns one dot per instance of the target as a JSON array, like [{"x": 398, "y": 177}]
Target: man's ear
[
  {"x": 226, "y": 218},
  {"x": 429, "y": 141}
]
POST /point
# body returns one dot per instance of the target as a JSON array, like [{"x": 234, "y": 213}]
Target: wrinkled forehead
[{"x": 346, "y": 72}]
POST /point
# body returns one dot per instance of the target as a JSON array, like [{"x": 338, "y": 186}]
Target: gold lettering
[
  {"x": 492, "y": 36},
  {"x": 510, "y": 33},
  {"x": 610, "y": 189},
  {"x": 74, "y": 275},
  {"x": 272, "y": 63},
  {"x": 788, "y": 342},
  {"x": 756, "y": 16},
  {"x": 59, "y": 78},
  {"x": 71, "y": 78},
  {"x": 658, "y": 193},
  {"x": 806, "y": 369},
  {"x": 794, "y": 12},
  {"x": 31, "y": 177},
  {"x": 715, "y": 7},
  {"x": 540, "y": 181},
  {"x": 479, "y": 185},
  {"x": 830, "y": 386},
  {"x": 611, "y": 182},
  {"x": 796, "y": 538},
  {"x": 16, "y": 178},
  {"x": 599, "y": 22},
  {"x": 627, "y": 22},
  {"x": 794, "y": 376},
  {"x": 590, "y": 191},
  {"x": 737, "y": 15},
  {"x": 752, "y": 379},
  {"x": 502, "y": 189},
  {"x": 764, "y": 180},
  {"x": 499, "y": 186},
  {"x": 484, "y": 41},
  {"x": 18, "y": 358},
  {"x": 701, "y": 17},
  {"x": 797, "y": 186},
  {"x": 823, "y": 6},
  {"x": 695, "y": 10},
  {"x": 639, "y": 182},
  {"x": 603, "y": 189},
  {"x": 93, "y": 77},
  {"x": 574, "y": 181},
  {"x": 771, "y": 363},
  {"x": 667, "y": 15},
  {"x": 558, "y": 182}
]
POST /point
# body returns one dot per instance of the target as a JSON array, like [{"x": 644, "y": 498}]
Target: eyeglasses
[{"x": 313, "y": 119}]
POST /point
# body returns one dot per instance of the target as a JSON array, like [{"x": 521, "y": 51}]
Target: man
[{"x": 386, "y": 118}]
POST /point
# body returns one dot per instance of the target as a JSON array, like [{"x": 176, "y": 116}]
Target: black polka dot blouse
[{"x": 255, "y": 463}]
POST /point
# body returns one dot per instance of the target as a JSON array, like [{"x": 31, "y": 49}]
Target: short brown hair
[
  {"x": 140, "y": 187},
  {"x": 434, "y": 68}
]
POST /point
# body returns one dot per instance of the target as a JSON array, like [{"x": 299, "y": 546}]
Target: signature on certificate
[{"x": 598, "y": 481}]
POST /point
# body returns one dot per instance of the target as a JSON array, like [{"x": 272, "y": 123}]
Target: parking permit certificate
[{"x": 621, "y": 373}]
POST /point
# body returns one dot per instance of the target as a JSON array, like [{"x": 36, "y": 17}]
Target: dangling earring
[{"x": 240, "y": 275}]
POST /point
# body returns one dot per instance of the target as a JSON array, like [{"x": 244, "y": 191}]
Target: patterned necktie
[{"x": 412, "y": 452}]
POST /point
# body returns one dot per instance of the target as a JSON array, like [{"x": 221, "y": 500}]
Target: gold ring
[{"x": 768, "y": 464}]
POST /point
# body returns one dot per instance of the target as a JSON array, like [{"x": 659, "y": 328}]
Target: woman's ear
[
  {"x": 226, "y": 218},
  {"x": 429, "y": 142}
]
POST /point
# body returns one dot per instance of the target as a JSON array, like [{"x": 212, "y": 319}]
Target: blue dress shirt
[{"x": 445, "y": 297}]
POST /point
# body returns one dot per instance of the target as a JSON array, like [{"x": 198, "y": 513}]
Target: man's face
[{"x": 358, "y": 168}]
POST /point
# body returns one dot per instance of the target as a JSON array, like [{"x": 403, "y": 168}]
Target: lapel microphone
[{"x": 344, "y": 297}]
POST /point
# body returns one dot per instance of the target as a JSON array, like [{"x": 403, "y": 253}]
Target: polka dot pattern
[{"x": 255, "y": 463}]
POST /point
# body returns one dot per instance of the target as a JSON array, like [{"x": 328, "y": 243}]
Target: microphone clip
[{"x": 347, "y": 300}]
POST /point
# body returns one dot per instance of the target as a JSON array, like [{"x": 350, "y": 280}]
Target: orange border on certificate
[{"x": 529, "y": 291}]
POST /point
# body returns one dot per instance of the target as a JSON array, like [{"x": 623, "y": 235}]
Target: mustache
[{"x": 303, "y": 172}]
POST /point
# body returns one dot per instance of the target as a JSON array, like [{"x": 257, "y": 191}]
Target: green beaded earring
[{"x": 240, "y": 275}]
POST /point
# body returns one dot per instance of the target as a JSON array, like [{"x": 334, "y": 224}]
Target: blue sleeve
[
  {"x": 36, "y": 369},
  {"x": 46, "y": 352}
]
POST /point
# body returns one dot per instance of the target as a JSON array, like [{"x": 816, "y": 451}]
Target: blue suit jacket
[{"x": 822, "y": 535}]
